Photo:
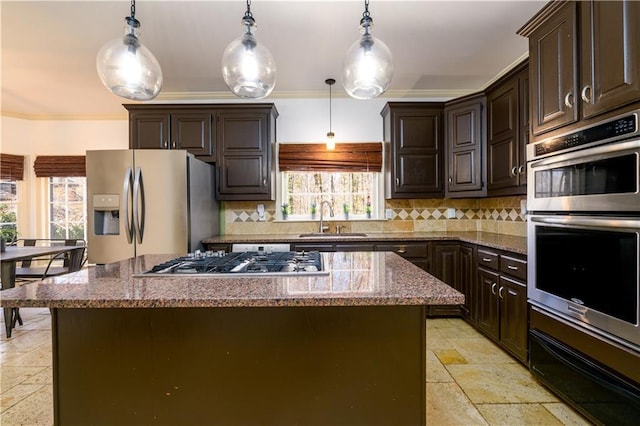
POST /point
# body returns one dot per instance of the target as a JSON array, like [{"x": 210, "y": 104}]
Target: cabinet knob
[
  {"x": 486, "y": 259},
  {"x": 586, "y": 97},
  {"x": 402, "y": 251},
  {"x": 514, "y": 169},
  {"x": 500, "y": 293},
  {"x": 513, "y": 268},
  {"x": 493, "y": 288},
  {"x": 166, "y": 144},
  {"x": 398, "y": 181},
  {"x": 568, "y": 100},
  {"x": 521, "y": 170},
  {"x": 450, "y": 179},
  {"x": 173, "y": 145},
  {"x": 264, "y": 182}
]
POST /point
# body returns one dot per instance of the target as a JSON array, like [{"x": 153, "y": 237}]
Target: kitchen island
[{"x": 344, "y": 347}]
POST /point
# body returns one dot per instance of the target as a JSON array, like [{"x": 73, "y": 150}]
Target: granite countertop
[
  {"x": 354, "y": 279},
  {"x": 497, "y": 241}
]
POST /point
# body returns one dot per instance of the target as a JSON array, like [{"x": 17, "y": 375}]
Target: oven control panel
[{"x": 610, "y": 131}]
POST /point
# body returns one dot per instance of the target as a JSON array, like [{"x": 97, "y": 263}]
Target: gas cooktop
[{"x": 242, "y": 263}]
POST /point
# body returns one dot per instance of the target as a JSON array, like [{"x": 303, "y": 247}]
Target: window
[
  {"x": 8, "y": 209},
  {"x": 67, "y": 207},
  {"x": 352, "y": 195}
]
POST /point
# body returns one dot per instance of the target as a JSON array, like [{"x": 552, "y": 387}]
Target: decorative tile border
[{"x": 506, "y": 214}]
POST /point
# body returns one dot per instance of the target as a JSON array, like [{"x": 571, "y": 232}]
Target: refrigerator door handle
[
  {"x": 127, "y": 187},
  {"x": 138, "y": 203}
]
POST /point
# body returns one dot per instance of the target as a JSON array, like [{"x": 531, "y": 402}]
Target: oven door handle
[{"x": 588, "y": 222}]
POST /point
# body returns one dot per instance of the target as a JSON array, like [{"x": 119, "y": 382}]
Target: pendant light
[
  {"x": 368, "y": 66},
  {"x": 126, "y": 67},
  {"x": 331, "y": 143},
  {"x": 248, "y": 67}
]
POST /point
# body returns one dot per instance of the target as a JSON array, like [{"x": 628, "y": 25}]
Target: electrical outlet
[
  {"x": 260, "y": 210},
  {"x": 388, "y": 214},
  {"x": 451, "y": 213}
]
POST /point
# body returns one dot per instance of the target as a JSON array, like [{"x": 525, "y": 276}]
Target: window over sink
[{"x": 353, "y": 196}]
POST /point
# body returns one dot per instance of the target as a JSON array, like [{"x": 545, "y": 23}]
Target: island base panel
[{"x": 282, "y": 365}]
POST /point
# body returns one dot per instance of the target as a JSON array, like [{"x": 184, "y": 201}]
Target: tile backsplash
[{"x": 502, "y": 215}]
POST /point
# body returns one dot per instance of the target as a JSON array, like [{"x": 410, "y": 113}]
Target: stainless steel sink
[{"x": 329, "y": 234}]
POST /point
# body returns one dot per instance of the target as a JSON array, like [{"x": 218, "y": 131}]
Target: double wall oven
[{"x": 584, "y": 265}]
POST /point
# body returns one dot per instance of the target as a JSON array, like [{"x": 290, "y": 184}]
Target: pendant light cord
[
  {"x": 330, "y": 128},
  {"x": 133, "y": 9}
]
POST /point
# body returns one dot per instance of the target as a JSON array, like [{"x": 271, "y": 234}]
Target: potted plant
[
  {"x": 285, "y": 211},
  {"x": 314, "y": 209},
  {"x": 367, "y": 209},
  {"x": 345, "y": 210}
]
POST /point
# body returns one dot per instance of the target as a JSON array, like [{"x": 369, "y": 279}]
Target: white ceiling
[{"x": 441, "y": 49}]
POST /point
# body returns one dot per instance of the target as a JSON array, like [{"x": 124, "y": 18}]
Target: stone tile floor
[{"x": 470, "y": 380}]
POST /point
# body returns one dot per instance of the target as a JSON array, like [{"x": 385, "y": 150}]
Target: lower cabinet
[{"x": 501, "y": 294}]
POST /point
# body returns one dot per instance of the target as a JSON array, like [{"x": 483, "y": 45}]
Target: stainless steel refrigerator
[{"x": 150, "y": 201}]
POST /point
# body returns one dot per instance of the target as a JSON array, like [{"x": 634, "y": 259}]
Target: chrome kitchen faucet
[{"x": 322, "y": 227}]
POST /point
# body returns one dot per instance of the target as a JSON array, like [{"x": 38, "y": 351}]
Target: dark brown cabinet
[
  {"x": 507, "y": 133},
  {"x": 151, "y": 127},
  {"x": 466, "y": 154},
  {"x": 502, "y": 300},
  {"x": 238, "y": 138},
  {"x": 446, "y": 267},
  {"x": 413, "y": 135},
  {"x": 244, "y": 161},
  {"x": 466, "y": 280},
  {"x": 585, "y": 61}
]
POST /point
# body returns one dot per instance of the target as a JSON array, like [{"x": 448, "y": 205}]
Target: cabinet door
[
  {"x": 465, "y": 281},
  {"x": 243, "y": 156},
  {"x": 416, "y": 163},
  {"x": 465, "y": 140},
  {"x": 513, "y": 317},
  {"x": 553, "y": 62},
  {"x": 149, "y": 130},
  {"x": 610, "y": 55},
  {"x": 502, "y": 129},
  {"x": 446, "y": 261},
  {"x": 488, "y": 303},
  {"x": 191, "y": 130}
]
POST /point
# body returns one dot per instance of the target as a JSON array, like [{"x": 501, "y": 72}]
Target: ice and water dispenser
[{"x": 106, "y": 214}]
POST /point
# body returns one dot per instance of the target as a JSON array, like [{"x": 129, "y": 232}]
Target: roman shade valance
[
  {"x": 60, "y": 166},
  {"x": 11, "y": 166},
  {"x": 314, "y": 157}
]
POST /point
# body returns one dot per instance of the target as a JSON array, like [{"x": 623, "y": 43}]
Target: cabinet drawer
[
  {"x": 516, "y": 268},
  {"x": 405, "y": 250},
  {"x": 354, "y": 247},
  {"x": 488, "y": 259}
]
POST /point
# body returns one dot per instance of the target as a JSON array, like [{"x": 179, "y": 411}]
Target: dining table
[{"x": 8, "y": 260}]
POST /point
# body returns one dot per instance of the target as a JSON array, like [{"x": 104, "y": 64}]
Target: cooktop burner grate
[{"x": 250, "y": 263}]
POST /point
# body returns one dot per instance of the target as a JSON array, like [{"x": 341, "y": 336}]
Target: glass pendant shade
[
  {"x": 367, "y": 67},
  {"x": 127, "y": 68},
  {"x": 248, "y": 68}
]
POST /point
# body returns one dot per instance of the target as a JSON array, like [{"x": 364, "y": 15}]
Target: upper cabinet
[
  {"x": 584, "y": 61},
  {"x": 245, "y": 165},
  {"x": 508, "y": 133},
  {"x": 162, "y": 128},
  {"x": 237, "y": 137},
  {"x": 465, "y": 121},
  {"x": 414, "y": 145}
]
